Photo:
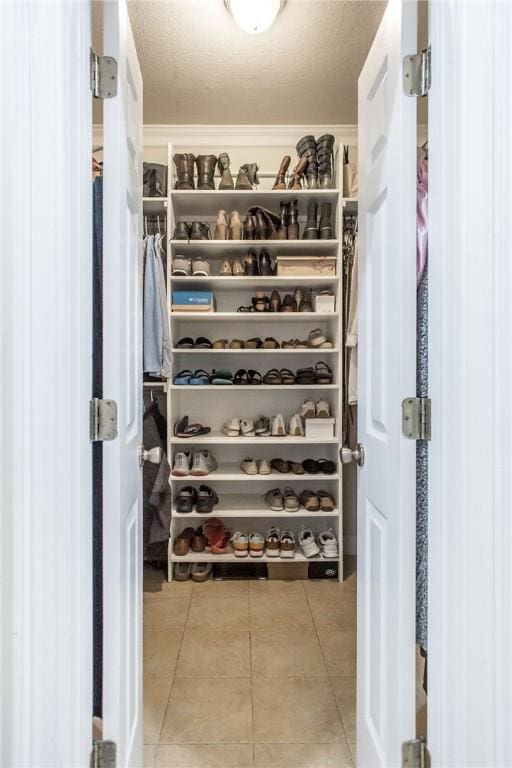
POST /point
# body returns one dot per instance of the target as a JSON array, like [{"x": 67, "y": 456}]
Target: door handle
[
  {"x": 154, "y": 455},
  {"x": 347, "y": 455}
]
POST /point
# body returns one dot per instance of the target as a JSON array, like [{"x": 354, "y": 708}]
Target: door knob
[
  {"x": 347, "y": 455},
  {"x": 154, "y": 455}
]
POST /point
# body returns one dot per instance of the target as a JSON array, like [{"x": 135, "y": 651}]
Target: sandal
[
  {"x": 203, "y": 343},
  {"x": 245, "y": 309},
  {"x": 323, "y": 374},
  {"x": 236, "y": 344},
  {"x": 261, "y": 303},
  {"x": 255, "y": 343},
  {"x": 241, "y": 377},
  {"x": 272, "y": 377},
  {"x": 306, "y": 376},
  {"x": 287, "y": 377},
  {"x": 200, "y": 378},
  {"x": 182, "y": 428},
  {"x": 182, "y": 378},
  {"x": 310, "y": 501},
  {"x": 185, "y": 343},
  {"x": 223, "y": 547},
  {"x": 270, "y": 343},
  {"x": 254, "y": 377},
  {"x": 222, "y": 376},
  {"x": 213, "y": 530},
  {"x": 220, "y": 344}
]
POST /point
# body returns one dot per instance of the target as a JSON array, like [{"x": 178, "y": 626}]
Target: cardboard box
[
  {"x": 320, "y": 428},
  {"x": 289, "y": 570},
  {"x": 306, "y": 266},
  {"x": 325, "y": 303}
]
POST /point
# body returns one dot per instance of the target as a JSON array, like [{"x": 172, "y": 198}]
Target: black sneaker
[
  {"x": 186, "y": 499},
  {"x": 206, "y": 499}
]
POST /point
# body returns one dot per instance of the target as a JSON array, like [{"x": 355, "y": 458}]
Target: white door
[
  {"x": 122, "y": 365},
  {"x": 387, "y": 374}
]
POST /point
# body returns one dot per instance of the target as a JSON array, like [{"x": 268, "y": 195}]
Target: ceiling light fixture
[{"x": 254, "y": 16}]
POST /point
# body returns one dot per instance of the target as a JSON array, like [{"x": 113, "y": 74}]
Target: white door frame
[
  {"x": 45, "y": 324},
  {"x": 470, "y": 362}
]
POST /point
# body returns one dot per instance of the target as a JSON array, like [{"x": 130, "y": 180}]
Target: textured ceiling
[{"x": 199, "y": 67}]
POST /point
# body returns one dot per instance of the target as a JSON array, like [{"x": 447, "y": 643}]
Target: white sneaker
[
  {"x": 181, "y": 464},
  {"x": 323, "y": 410},
  {"x": 231, "y": 428},
  {"x": 181, "y": 266},
  {"x": 278, "y": 428},
  {"x": 272, "y": 542},
  {"x": 296, "y": 427},
  {"x": 308, "y": 543},
  {"x": 329, "y": 543},
  {"x": 200, "y": 267},
  {"x": 264, "y": 467},
  {"x": 202, "y": 463},
  {"x": 307, "y": 409},
  {"x": 249, "y": 466},
  {"x": 247, "y": 428}
]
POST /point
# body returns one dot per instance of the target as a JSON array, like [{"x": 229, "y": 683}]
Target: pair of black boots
[
  {"x": 258, "y": 265},
  {"x": 320, "y": 156},
  {"x": 318, "y": 227},
  {"x": 195, "y": 231},
  {"x": 289, "y": 226}
]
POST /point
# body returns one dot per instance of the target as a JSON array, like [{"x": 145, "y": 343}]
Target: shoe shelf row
[{"x": 212, "y": 405}]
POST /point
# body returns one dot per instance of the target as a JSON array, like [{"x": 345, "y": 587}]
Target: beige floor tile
[
  {"x": 204, "y": 756},
  {"x": 213, "y": 588},
  {"x": 280, "y": 611},
  {"x": 156, "y": 694},
  {"x": 170, "y": 613},
  {"x": 281, "y": 653},
  {"x": 333, "y": 612},
  {"x": 149, "y": 755},
  {"x": 345, "y": 693},
  {"x": 295, "y": 709},
  {"x": 276, "y": 587},
  {"x": 339, "y": 649},
  {"x": 220, "y": 613},
  {"x": 161, "y": 651},
  {"x": 209, "y": 711},
  {"x": 166, "y": 589},
  {"x": 302, "y": 756},
  {"x": 152, "y": 577},
  {"x": 212, "y": 653},
  {"x": 327, "y": 588},
  {"x": 353, "y": 752}
]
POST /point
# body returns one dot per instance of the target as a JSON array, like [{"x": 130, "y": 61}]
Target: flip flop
[
  {"x": 182, "y": 428},
  {"x": 222, "y": 376},
  {"x": 182, "y": 378},
  {"x": 241, "y": 377},
  {"x": 200, "y": 378},
  {"x": 185, "y": 343},
  {"x": 203, "y": 343}
]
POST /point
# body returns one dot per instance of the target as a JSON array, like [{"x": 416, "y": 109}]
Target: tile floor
[{"x": 240, "y": 674}]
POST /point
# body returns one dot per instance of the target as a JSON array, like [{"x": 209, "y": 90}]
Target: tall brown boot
[
  {"x": 184, "y": 171},
  {"x": 205, "y": 170},
  {"x": 297, "y": 174},
  {"x": 280, "y": 182}
]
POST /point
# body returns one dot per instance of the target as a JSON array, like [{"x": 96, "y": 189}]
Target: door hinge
[
  {"x": 103, "y": 754},
  {"x": 416, "y": 418},
  {"x": 415, "y": 754},
  {"x": 103, "y": 76},
  {"x": 103, "y": 420},
  {"x": 417, "y": 73}
]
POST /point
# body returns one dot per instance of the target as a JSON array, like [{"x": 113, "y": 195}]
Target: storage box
[
  {"x": 291, "y": 570},
  {"x": 193, "y": 301},
  {"x": 320, "y": 428},
  {"x": 306, "y": 266},
  {"x": 325, "y": 303},
  {"x": 323, "y": 569}
]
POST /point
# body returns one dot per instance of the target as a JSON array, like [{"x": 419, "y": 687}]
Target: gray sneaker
[
  {"x": 202, "y": 463},
  {"x": 181, "y": 266},
  {"x": 181, "y": 464},
  {"x": 200, "y": 267}
]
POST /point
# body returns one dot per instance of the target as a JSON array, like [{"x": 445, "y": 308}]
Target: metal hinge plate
[
  {"x": 103, "y": 754},
  {"x": 416, "y": 418},
  {"x": 103, "y": 419},
  {"x": 415, "y": 754},
  {"x": 417, "y": 73},
  {"x": 103, "y": 76}
]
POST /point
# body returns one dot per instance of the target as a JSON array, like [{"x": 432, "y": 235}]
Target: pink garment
[{"x": 422, "y": 215}]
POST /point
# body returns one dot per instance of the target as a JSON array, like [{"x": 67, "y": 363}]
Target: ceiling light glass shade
[{"x": 254, "y": 16}]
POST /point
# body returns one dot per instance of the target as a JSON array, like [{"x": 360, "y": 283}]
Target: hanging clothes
[
  {"x": 351, "y": 336},
  {"x": 422, "y": 391},
  {"x": 157, "y": 345}
]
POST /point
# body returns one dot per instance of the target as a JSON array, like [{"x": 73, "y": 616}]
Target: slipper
[
  {"x": 220, "y": 344},
  {"x": 185, "y": 343},
  {"x": 182, "y": 378},
  {"x": 254, "y": 343},
  {"x": 241, "y": 377},
  {"x": 270, "y": 343},
  {"x": 221, "y": 376},
  {"x": 254, "y": 377},
  {"x": 200, "y": 377},
  {"x": 203, "y": 343},
  {"x": 236, "y": 344},
  {"x": 323, "y": 374}
]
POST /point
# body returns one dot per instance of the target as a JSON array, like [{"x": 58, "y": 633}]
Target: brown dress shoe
[{"x": 280, "y": 182}]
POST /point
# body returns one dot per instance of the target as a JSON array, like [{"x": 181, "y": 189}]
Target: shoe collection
[
  {"x": 300, "y": 301},
  {"x": 320, "y": 374},
  {"x": 285, "y": 467},
  {"x": 316, "y": 340},
  {"x": 277, "y": 426},
  {"x": 288, "y": 501},
  {"x": 186, "y": 163}
]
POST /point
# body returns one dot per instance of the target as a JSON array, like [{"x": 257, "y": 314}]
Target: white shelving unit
[{"x": 212, "y": 405}]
